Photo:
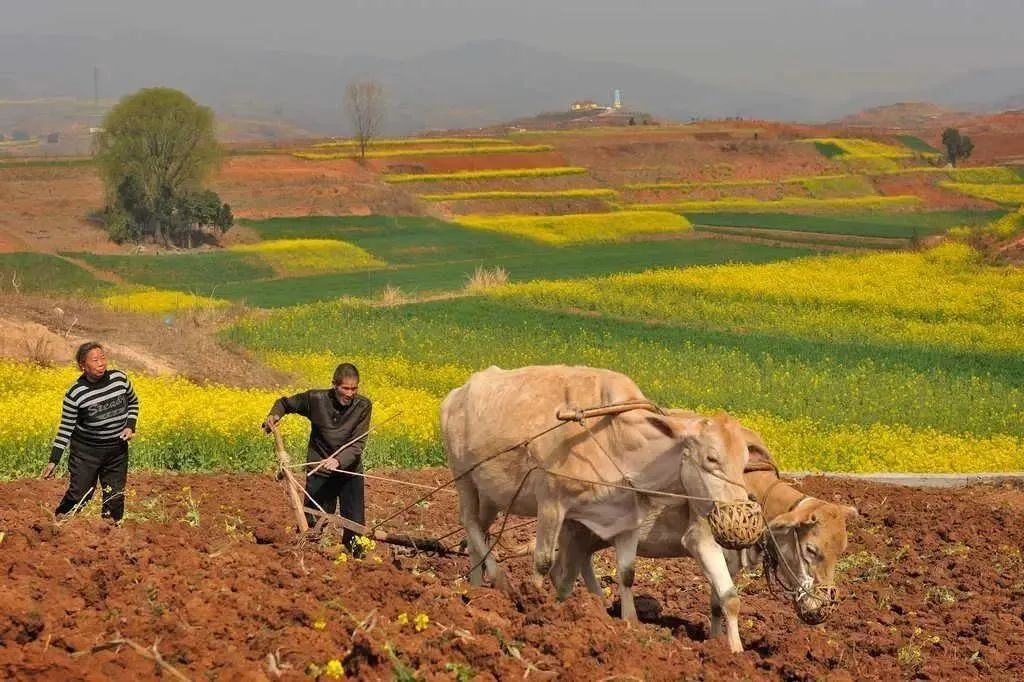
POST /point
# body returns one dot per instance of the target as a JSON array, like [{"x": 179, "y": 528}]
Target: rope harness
[
  {"x": 735, "y": 525},
  {"x": 813, "y": 603},
  {"x": 729, "y": 514}
]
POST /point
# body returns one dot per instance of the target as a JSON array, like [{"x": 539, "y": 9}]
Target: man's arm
[
  {"x": 348, "y": 457},
  {"x": 296, "y": 404}
]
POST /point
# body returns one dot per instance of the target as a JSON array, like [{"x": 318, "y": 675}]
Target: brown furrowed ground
[{"x": 207, "y": 567}]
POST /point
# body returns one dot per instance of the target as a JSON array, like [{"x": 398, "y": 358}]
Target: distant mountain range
[{"x": 475, "y": 84}]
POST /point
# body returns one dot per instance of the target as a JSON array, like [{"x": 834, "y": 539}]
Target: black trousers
[
  {"x": 339, "y": 492},
  {"x": 86, "y": 464}
]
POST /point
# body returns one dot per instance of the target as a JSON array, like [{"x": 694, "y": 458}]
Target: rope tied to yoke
[{"x": 607, "y": 408}]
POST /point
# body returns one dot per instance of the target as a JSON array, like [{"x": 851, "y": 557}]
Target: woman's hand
[
  {"x": 48, "y": 470},
  {"x": 127, "y": 434}
]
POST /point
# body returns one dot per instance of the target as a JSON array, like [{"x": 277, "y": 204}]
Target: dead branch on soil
[
  {"x": 417, "y": 543},
  {"x": 150, "y": 653}
]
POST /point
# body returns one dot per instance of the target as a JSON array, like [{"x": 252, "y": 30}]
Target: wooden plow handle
[{"x": 283, "y": 471}]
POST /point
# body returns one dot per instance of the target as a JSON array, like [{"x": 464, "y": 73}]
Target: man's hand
[
  {"x": 270, "y": 422},
  {"x": 48, "y": 470},
  {"x": 127, "y": 434},
  {"x": 329, "y": 464}
]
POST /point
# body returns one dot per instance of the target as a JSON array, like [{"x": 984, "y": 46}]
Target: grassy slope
[
  {"x": 42, "y": 273},
  {"x": 200, "y": 271},
  {"x": 437, "y": 256},
  {"x": 866, "y": 225}
]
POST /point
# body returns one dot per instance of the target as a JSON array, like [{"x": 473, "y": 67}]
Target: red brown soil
[
  {"x": 449, "y": 164},
  {"x": 934, "y": 590},
  {"x": 47, "y": 208},
  {"x": 264, "y": 186},
  {"x": 935, "y": 197}
]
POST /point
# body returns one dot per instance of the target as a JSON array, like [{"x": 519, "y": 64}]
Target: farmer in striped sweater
[{"x": 97, "y": 420}]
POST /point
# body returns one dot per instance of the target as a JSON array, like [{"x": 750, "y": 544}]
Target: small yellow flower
[
  {"x": 421, "y": 621},
  {"x": 403, "y": 618},
  {"x": 607, "y": 592},
  {"x": 341, "y": 558},
  {"x": 334, "y": 669},
  {"x": 319, "y": 624},
  {"x": 378, "y": 559},
  {"x": 363, "y": 543}
]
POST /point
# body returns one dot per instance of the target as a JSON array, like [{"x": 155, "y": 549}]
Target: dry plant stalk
[{"x": 151, "y": 653}]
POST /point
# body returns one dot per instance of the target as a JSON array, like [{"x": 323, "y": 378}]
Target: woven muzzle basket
[
  {"x": 817, "y": 606},
  {"x": 736, "y": 525}
]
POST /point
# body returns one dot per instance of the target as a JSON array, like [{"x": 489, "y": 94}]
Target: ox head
[
  {"x": 714, "y": 456},
  {"x": 805, "y": 544}
]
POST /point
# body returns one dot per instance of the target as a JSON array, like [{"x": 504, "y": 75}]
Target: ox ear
[
  {"x": 792, "y": 519},
  {"x": 674, "y": 427},
  {"x": 849, "y": 512},
  {"x": 755, "y": 444}
]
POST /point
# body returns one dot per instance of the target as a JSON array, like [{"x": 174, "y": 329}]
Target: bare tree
[{"x": 365, "y": 106}]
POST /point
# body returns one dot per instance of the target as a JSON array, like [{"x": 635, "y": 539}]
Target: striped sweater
[{"x": 96, "y": 412}]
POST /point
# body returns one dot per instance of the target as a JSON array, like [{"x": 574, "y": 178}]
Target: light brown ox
[
  {"x": 808, "y": 537},
  {"x": 496, "y": 409}
]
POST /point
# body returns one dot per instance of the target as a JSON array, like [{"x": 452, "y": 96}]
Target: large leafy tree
[
  {"x": 156, "y": 149},
  {"x": 958, "y": 147}
]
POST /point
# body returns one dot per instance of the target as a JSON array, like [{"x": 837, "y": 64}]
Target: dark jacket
[{"x": 333, "y": 424}]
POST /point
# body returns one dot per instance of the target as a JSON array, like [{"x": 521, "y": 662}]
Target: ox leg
[
  {"x": 477, "y": 516},
  {"x": 725, "y": 601},
  {"x": 575, "y": 547},
  {"x": 550, "y": 516},
  {"x": 625, "y": 561},
  {"x": 589, "y": 577}
]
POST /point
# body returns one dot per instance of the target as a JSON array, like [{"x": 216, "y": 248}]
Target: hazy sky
[{"x": 819, "y": 47}]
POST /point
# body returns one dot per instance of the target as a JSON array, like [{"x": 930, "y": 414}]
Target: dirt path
[
  {"x": 933, "y": 583},
  {"x": 47, "y": 330},
  {"x": 98, "y": 273},
  {"x": 771, "y": 240},
  {"x": 799, "y": 235}
]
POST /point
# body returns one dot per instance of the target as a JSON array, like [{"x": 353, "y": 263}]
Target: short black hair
[
  {"x": 85, "y": 349},
  {"x": 345, "y": 370}
]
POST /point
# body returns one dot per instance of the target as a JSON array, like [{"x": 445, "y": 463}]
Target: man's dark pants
[
  {"x": 86, "y": 464},
  {"x": 339, "y": 489}
]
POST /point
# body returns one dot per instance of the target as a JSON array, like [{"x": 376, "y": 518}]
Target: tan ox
[
  {"x": 808, "y": 536},
  {"x": 496, "y": 409}
]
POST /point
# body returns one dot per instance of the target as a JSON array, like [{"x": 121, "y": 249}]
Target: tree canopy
[
  {"x": 958, "y": 147},
  {"x": 156, "y": 149}
]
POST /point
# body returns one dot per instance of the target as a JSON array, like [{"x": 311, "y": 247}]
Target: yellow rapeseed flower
[{"x": 334, "y": 670}]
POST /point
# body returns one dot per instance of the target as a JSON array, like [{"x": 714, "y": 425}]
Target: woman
[{"x": 97, "y": 419}]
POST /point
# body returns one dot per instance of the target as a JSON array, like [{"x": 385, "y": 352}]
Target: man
[{"x": 338, "y": 415}]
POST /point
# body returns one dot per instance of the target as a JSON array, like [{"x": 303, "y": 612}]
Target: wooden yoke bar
[{"x": 568, "y": 414}]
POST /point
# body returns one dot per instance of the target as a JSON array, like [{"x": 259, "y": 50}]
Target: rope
[
  {"x": 320, "y": 464},
  {"x": 522, "y": 443},
  {"x": 504, "y": 521}
]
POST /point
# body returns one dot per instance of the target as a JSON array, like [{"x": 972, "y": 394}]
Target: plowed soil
[{"x": 208, "y": 568}]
